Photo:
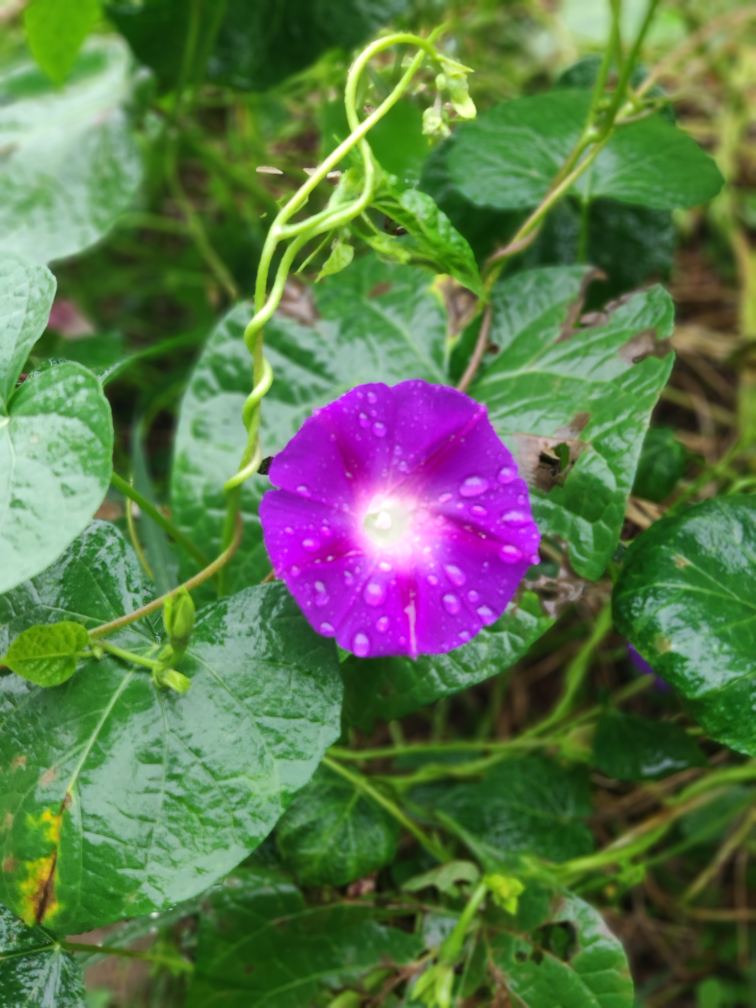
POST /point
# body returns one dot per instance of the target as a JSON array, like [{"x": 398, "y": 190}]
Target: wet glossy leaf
[
  {"x": 332, "y": 834},
  {"x": 431, "y": 243},
  {"x": 592, "y": 389},
  {"x": 118, "y": 798},
  {"x": 660, "y": 466},
  {"x": 46, "y": 655},
  {"x": 259, "y": 944},
  {"x": 389, "y": 688},
  {"x": 71, "y": 165},
  {"x": 55, "y": 30},
  {"x": 685, "y": 600},
  {"x": 558, "y": 950},
  {"x": 35, "y": 972},
  {"x": 507, "y": 158},
  {"x": 373, "y": 322},
  {"x": 632, "y": 748},
  {"x": 26, "y": 296},
  {"x": 56, "y": 444},
  {"x": 527, "y": 804}
]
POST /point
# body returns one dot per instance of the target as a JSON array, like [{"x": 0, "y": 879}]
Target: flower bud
[
  {"x": 173, "y": 680},
  {"x": 436, "y": 122},
  {"x": 505, "y": 891},
  {"x": 178, "y": 619}
]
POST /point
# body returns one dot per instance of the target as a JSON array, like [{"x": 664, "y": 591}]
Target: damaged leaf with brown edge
[
  {"x": 686, "y": 599},
  {"x": 119, "y": 798},
  {"x": 47, "y": 655},
  {"x": 592, "y": 388}
]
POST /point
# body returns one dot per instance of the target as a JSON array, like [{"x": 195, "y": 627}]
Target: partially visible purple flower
[
  {"x": 401, "y": 526},
  {"x": 645, "y": 669}
]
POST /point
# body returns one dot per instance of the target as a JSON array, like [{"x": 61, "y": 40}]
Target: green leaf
[
  {"x": 432, "y": 243},
  {"x": 528, "y": 804},
  {"x": 507, "y": 158},
  {"x": 661, "y": 465},
  {"x": 253, "y": 46},
  {"x": 632, "y": 748},
  {"x": 117, "y": 797},
  {"x": 685, "y": 600},
  {"x": 560, "y": 951},
  {"x": 341, "y": 255},
  {"x": 332, "y": 834},
  {"x": 35, "y": 972},
  {"x": 26, "y": 297},
  {"x": 259, "y": 944},
  {"x": 373, "y": 322},
  {"x": 56, "y": 447},
  {"x": 590, "y": 388},
  {"x": 71, "y": 164},
  {"x": 389, "y": 688},
  {"x": 46, "y": 655},
  {"x": 56, "y": 29}
]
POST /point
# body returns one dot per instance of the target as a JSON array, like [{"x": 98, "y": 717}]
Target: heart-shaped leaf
[
  {"x": 508, "y": 157},
  {"x": 259, "y": 945},
  {"x": 46, "y": 655},
  {"x": 632, "y": 748},
  {"x": 35, "y": 972},
  {"x": 118, "y": 797},
  {"x": 26, "y": 296},
  {"x": 589, "y": 389},
  {"x": 686, "y": 599},
  {"x": 56, "y": 445},
  {"x": 71, "y": 164},
  {"x": 333, "y": 834}
]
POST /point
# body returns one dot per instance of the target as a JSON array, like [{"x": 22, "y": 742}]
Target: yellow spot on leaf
[
  {"x": 681, "y": 561},
  {"x": 19, "y": 761},
  {"x": 38, "y": 903},
  {"x": 662, "y": 644},
  {"x": 8, "y": 821}
]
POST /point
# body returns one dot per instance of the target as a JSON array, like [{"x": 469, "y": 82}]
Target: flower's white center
[{"x": 387, "y": 520}]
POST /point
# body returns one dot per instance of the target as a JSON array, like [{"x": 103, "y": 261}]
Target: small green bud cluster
[{"x": 178, "y": 620}]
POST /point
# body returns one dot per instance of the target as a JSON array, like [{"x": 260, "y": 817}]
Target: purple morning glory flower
[
  {"x": 645, "y": 669},
  {"x": 401, "y": 526}
]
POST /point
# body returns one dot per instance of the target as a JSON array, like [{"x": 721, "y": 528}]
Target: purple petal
[{"x": 401, "y": 526}]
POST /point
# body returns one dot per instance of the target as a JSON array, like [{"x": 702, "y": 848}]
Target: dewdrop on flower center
[{"x": 400, "y": 525}]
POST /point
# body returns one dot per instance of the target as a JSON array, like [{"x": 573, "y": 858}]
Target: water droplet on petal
[
  {"x": 521, "y": 498},
  {"x": 372, "y": 397},
  {"x": 479, "y": 510},
  {"x": 403, "y": 467},
  {"x": 321, "y": 596},
  {"x": 444, "y": 498},
  {"x": 384, "y": 566},
  {"x": 464, "y": 635},
  {"x": 374, "y": 594},
  {"x": 507, "y": 474},
  {"x": 472, "y": 596},
  {"x": 361, "y": 645},
  {"x": 348, "y": 577},
  {"x": 451, "y": 604},
  {"x": 310, "y": 544},
  {"x": 473, "y": 486},
  {"x": 510, "y": 554},
  {"x": 455, "y": 575},
  {"x": 536, "y": 558},
  {"x": 303, "y": 490},
  {"x": 325, "y": 531},
  {"x": 379, "y": 429},
  {"x": 294, "y": 571},
  {"x": 289, "y": 530},
  {"x": 432, "y": 579},
  {"x": 383, "y": 624},
  {"x": 397, "y": 450},
  {"x": 364, "y": 422},
  {"x": 327, "y": 629},
  {"x": 515, "y": 518},
  {"x": 486, "y": 615}
]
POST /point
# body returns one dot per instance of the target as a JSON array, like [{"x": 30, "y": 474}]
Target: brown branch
[{"x": 477, "y": 355}]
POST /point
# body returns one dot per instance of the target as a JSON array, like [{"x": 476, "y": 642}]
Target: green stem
[
  {"x": 157, "y": 516},
  {"x": 628, "y": 65},
  {"x": 129, "y": 656},
  {"x": 577, "y": 671},
  {"x": 128, "y": 954},
  {"x": 452, "y": 946},
  {"x": 391, "y": 807},
  {"x": 709, "y": 473},
  {"x": 157, "y": 603}
]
